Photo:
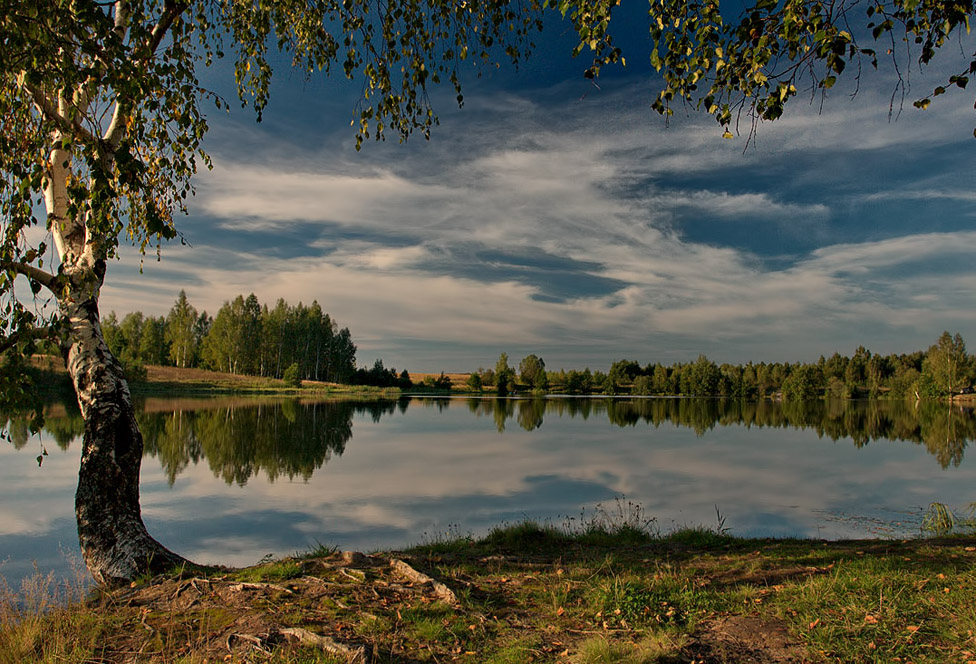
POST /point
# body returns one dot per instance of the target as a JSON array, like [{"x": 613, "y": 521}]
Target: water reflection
[
  {"x": 422, "y": 465},
  {"x": 240, "y": 438},
  {"x": 289, "y": 439},
  {"x": 944, "y": 429}
]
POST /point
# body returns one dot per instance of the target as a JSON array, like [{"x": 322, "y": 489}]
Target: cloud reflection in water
[{"x": 230, "y": 481}]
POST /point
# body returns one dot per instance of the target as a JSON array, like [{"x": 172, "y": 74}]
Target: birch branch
[
  {"x": 171, "y": 11},
  {"x": 46, "y": 279},
  {"x": 36, "y": 334},
  {"x": 47, "y": 107}
]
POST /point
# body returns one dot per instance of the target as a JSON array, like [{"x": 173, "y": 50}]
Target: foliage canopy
[
  {"x": 755, "y": 60},
  {"x": 104, "y": 118}
]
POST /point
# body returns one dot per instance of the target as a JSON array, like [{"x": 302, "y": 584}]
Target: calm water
[{"x": 229, "y": 481}]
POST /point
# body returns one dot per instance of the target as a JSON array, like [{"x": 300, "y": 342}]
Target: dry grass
[
  {"x": 533, "y": 594},
  {"x": 457, "y": 379}
]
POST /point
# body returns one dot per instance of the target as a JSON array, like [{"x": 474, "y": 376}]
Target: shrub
[{"x": 291, "y": 376}]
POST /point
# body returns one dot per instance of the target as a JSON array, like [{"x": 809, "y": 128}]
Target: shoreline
[{"x": 608, "y": 592}]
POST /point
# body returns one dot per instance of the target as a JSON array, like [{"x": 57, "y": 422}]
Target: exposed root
[
  {"x": 267, "y": 641},
  {"x": 440, "y": 590},
  {"x": 358, "y": 655}
]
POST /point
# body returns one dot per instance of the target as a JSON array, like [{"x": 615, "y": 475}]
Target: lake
[{"x": 231, "y": 480}]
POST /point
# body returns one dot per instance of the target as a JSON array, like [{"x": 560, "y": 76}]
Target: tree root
[
  {"x": 265, "y": 643},
  {"x": 440, "y": 590}
]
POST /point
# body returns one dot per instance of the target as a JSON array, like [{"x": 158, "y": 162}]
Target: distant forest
[
  {"x": 306, "y": 343},
  {"x": 944, "y": 370}
]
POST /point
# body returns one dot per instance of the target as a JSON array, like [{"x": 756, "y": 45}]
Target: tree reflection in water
[
  {"x": 240, "y": 438},
  {"x": 285, "y": 438},
  {"x": 945, "y": 429}
]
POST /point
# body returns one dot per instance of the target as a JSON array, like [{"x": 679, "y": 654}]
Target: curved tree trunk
[{"x": 114, "y": 541}]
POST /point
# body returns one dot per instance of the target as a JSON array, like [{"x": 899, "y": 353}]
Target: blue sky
[{"x": 554, "y": 217}]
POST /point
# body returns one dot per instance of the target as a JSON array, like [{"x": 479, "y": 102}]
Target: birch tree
[
  {"x": 181, "y": 332},
  {"x": 103, "y": 122}
]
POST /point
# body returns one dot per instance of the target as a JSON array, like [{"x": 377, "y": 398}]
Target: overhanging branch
[
  {"x": 48, "y": 108},
  {"x": 46, "y": 279},
  {"x": 21, "y": 336},
  {"x": 171, "y": 11}
]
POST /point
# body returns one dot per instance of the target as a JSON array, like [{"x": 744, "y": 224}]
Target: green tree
[
  {"x": 112, "y": 333},
  {"x": 181, "y": 332},
  {"x": 623, "y": 372},
  {"x": 532, "y": 372},
  {"x": 131, "y": 329},
  {"x": 504, "y": 376},
  {"x": 275, "y": 325},
  {"x": 946, "y": 366},
  {"x": 643, "y": 386},
  {"x": 220, "y": 349},
  {"x": 103, "y": 121},
  {"x": 153, "y": 347},
  {"x": 703, "y": 378},
  {"x": 123, "y": 340},
  {"x": 291, "y": 376},
  {"x": 659, "y": 381},
  {"x": 806, "y": 381}
]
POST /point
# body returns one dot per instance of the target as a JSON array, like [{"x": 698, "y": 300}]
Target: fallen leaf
[
  {"x": 560, "y": 611},
  {"x": 912, "y": 628},
  {"x": 871, "y": 620}
]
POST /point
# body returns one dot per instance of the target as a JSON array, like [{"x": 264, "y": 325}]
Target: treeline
[
  {"x": 945, "y": 369},
  {"x": 245, "y": 337}
]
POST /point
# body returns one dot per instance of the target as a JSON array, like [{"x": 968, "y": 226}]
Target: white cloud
[{"x": 444, "y": 242}]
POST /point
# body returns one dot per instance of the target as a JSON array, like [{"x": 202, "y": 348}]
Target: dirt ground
[{"x": 333, "y": 602}]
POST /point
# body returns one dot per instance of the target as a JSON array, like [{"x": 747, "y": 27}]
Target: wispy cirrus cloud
[{"x": 588, "y": 232}]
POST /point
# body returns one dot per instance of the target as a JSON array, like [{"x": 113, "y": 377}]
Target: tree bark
[{"x": 114, "y": 541}]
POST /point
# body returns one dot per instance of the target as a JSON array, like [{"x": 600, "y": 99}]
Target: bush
[
  {"x": 291, "y": 377},
  {"x": 135, "y": 371}
]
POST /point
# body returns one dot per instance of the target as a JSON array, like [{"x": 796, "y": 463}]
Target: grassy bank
[
  {"x": 51, "y": 377},
  {"x": 608, "y": 591}
]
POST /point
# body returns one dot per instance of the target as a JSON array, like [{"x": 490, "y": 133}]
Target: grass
[
  {"x": 607, "y": 587},
  {"x": 941, "y": 520}
]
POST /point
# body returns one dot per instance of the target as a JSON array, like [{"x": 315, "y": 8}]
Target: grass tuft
[
  {"x": 940, "y": 520},
  {"x": 270, "y": 571}
]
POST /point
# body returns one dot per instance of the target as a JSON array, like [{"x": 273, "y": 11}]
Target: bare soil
[{"x": 356, "y": 607}]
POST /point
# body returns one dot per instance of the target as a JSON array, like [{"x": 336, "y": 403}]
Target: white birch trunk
[{"x": 114, "y": 541}]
